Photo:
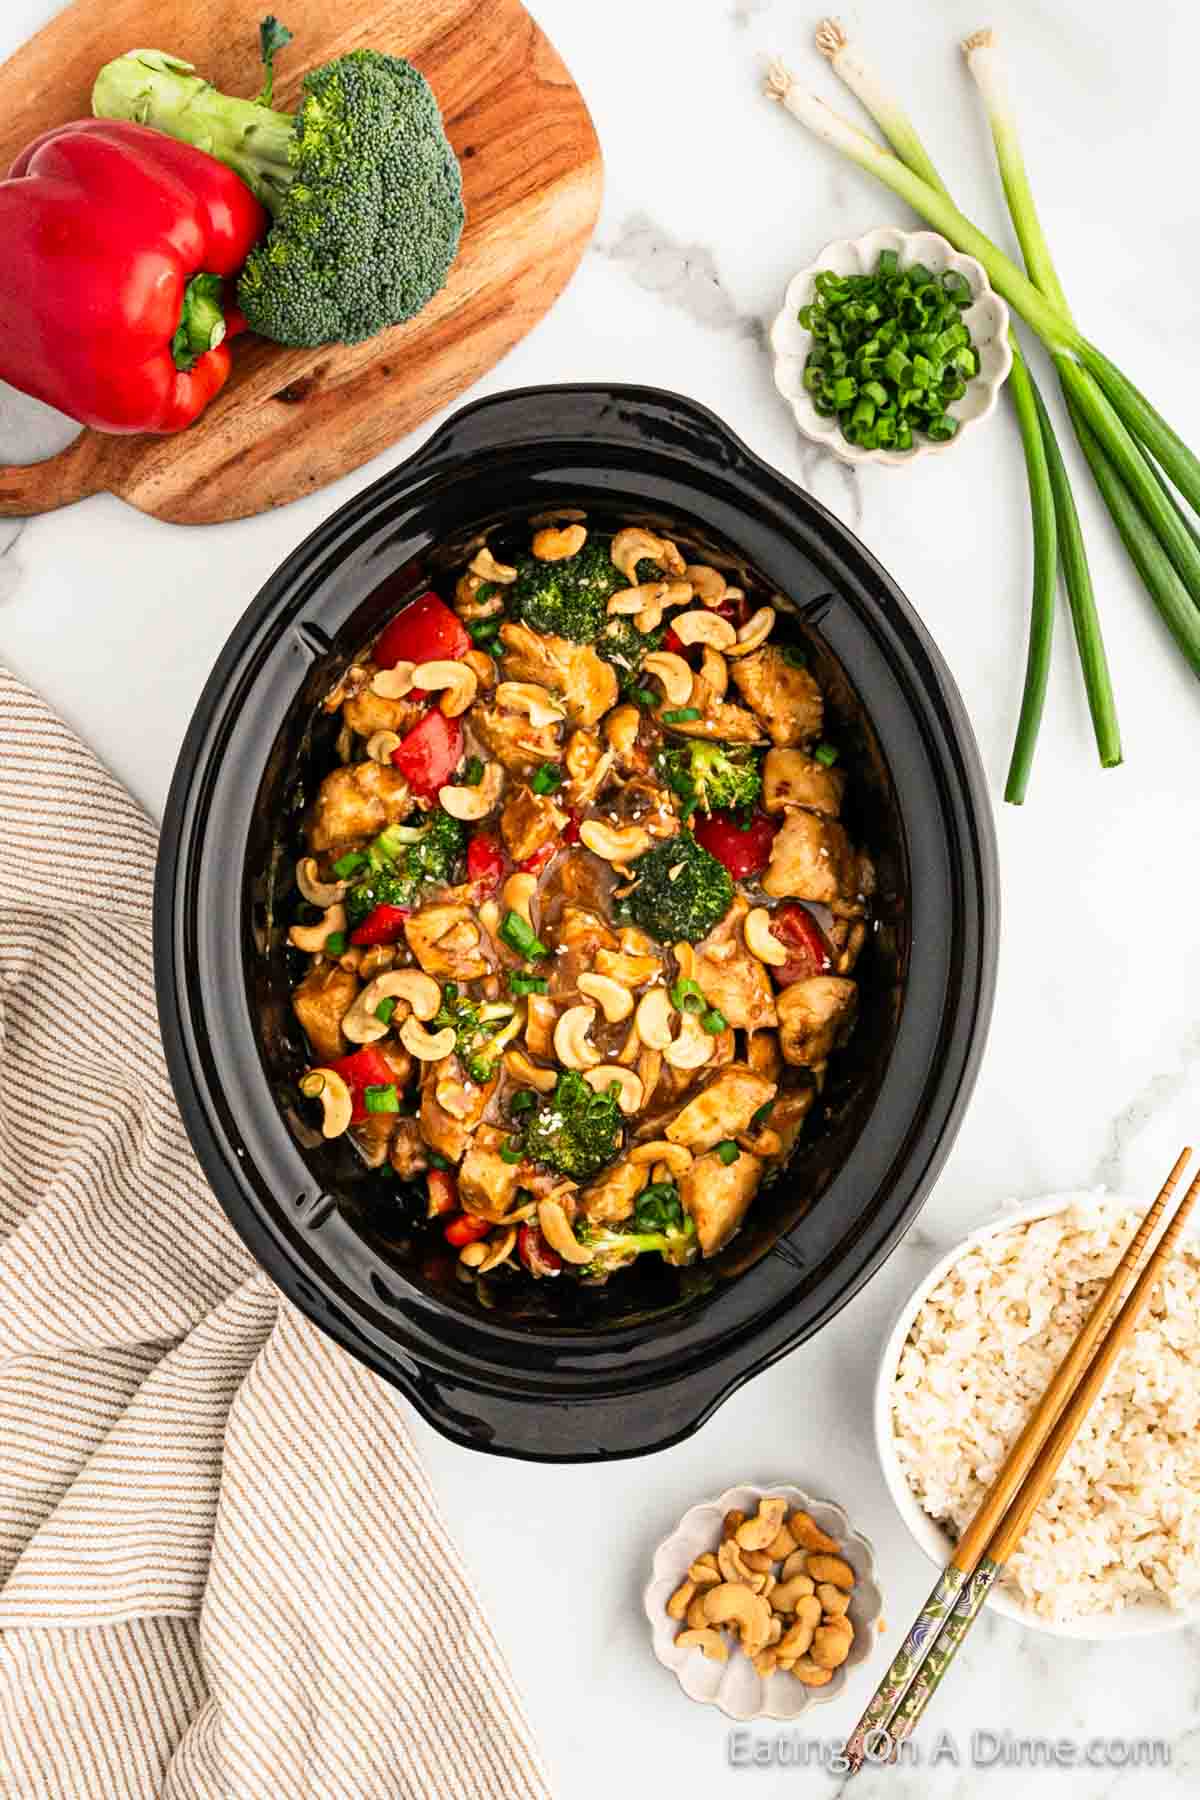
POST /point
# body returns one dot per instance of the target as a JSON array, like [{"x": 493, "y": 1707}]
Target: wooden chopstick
[
  {"x": 954, "y": 1595},
  {"x": 1037, "y": 1483}
]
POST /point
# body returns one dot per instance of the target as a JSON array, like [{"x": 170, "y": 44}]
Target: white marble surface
[{"x": 1093, "y": 1068}]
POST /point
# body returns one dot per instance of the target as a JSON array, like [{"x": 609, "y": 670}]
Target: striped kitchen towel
[{"x": 223, "y": 1575}]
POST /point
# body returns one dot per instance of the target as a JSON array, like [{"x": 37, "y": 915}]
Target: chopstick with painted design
[{"x": 963, "y": 1585}]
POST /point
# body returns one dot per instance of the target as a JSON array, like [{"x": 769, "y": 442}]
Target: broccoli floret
[
  {"x": 480, "y": 1032},
  {"x": 659, "y": 1224},
  {"x": 574, "y": 1130},
  {"x": 623, "y": 645},
  {"x": 680, "y": 891},
  {"x": 402, "y": 860},
  {"x": 365, "y": 190},
  {"x": 568, "y": 598},
  {"x": 711, "y": 775}
]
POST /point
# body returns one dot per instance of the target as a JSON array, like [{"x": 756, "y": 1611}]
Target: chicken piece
[
  {"x": 787, "y": 1115},
  {"x": 486, "y": 1183},
  {"x": 630, "y": 738},
  {"x": 783, "y": 696},
  {"x": 722, "y": 1108},
  {"x": 357, "y": 802},
  {"x": 320, "y": 1003},
  {"x": 790, "y": 779},
  {"x": 589, "y": 765},
  {"x": 516, "y": 744},
  {"x": 813, "y": 859},
  {"x": 541, "y": 1016},
  {"x": 717, "y": 1195},
  {"x": 367, "y": 712},
  {"x": 609, "y": 1199},
  {"x": 447, "y": 942},
  {"x": 529, "y": 822},
  {"x": 585, "y": 683},
  {"x": 762, "y": 1054},
  {"x": 407, "y": 1152},
  {"x": 722, "y": 721},
  {"x": 730, "y": 978},
  {"x": 451, "y": 1107},
  {"x": 816, "y": 1017},
  {"x": 579, "y": 937}
]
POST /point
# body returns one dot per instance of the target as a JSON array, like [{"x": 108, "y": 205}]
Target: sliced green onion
[
  {"x": 644, "y": 696},
  {"x": 335, "y": 943},
  {"x": 522, "y": 1100},
  {"x": 381, "y": 1098},
  {"x": 528, "y": 984},
  {"x": 484, "y": 631},
  {"x": 546, "y": 778},
  {"x": 519, "y": 936},
  {"x": 728, "y": 1152},
  {"x": 762, "y": 1115},
  {"x": 472, "y": 773},
  {"x": 346, "y": 865},
  {"x": 688, "y": 997},
  {"x": 681, "y": 715},
  {"x": 511, "y": 1152},
  {"x": 714, "y": 1022},
  {"x": 827, "y": 754},
  {"x": 385, "y": 1009}
]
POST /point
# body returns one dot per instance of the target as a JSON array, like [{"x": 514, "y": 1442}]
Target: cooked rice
[{"x": 1121, "y": 1523}]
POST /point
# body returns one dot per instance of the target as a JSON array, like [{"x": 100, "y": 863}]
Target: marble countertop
[{"x": 1092, "y": 1073}]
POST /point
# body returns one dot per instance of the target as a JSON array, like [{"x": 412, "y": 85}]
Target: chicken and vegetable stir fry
[{"x": 579, "y": 911}]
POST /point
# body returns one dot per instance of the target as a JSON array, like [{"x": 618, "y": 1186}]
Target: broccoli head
[
  {"x": 574, "y": 1130},
  {"x": 709, "y": 776},
  {"x": 404, "y": 859},
  {"x": 623, "y": 645},
  {"x": 365, "y": 190},
  {"x": 480, "y": 1032},
  {"x": 568, "y": 598},
  {"x": 680, "y": 891},
  {"x": 659, "y": 1224}
]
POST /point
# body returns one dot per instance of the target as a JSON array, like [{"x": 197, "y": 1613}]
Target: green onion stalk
[
  {"x": 1123, "y": 428},
  {"x": 1057, "y": 538}
]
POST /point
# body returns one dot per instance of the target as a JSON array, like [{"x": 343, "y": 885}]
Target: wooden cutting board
[{"x": 288, "y": 421}]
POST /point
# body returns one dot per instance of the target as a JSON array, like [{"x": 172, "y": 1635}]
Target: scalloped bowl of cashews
[{"x": 535, "y": 914}]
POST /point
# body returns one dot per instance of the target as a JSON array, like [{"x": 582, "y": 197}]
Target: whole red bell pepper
[
  {"x": 117, "y": 241},
  {"x": 424, "y": 631}
]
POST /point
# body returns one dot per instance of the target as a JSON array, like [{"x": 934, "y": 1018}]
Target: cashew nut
[
  {"x": 473, "y": 1255},
  {"x": 649, "y": 601},
  {"x": 674, "y": 674},
  {"x": 315, "y": 891},
  {"x": 808, "y": 1672},
  {"x": 516, "y": 895},
  {"x": 714, "y": 673},
  {"x": 393, "y": 683},
  {"x": 734, "y": 1568},
  {"x": 692, "y": 1048},
  {"x": 710, "y": 1642},
  {"x": 754, "y": 632},
  {"x": 757, "y": 1532},
  {"x": 797, "y": 1639},
  {"x": 733, "y": 1604},
  {"x": 615, "y": 1002},
  {"x": 484, "y": 667},
  {"x": 500, "y": 1251},
  {"x": 615, "y": 846},
  {"x": 556, "y": 1230},
  {"x": 808, "y": 1533},
  {"x": 314, "y": 937},
  {"x": 703, "y": 1572},
  {"x": 680, "y": 1600},
  {"x": 422, "y": 993},
  {"x": 621, "y": 729},
  {"x": 649, "y": 1068},
  {"x": 380, "y": 745},
  {"x": 620, "y": 965},
  {"x": 729, "y": 1524},
  {"x": 424, "y": 1046},
  {"x": 677, "y": 1158},
  {"x": 833, "y": 1600},
  {"x": 704, "y": 628},
  {"x": 831, "y": 1646},
  {"x": 654, "y": 1019},
  {"x": 761, "y": 940},
  {"x": 694, "y": 1615},
  {"x": 528, "y": 1073},
  {"x": 555, "y": 544},
  {"x": 708, "y": 584},
  {"x": 454, "y": 680},
  {"x": 484, "y": 564},
  {"x": 571, "y": 1045},
  {"x": 788, "y": 1594},
  {"x": 635, "y": 544},
  {"x": 474, "y": 802},
  {"x": 336, "y": 1104},
  {"x": 833, "y": 1569},
  {"x": 783, "y": 1543},
  {"x": 765, "y": 1663},
  {"x": 528, "y": 697},
  {"x": 601, "y": 1079},
  {"x": 795, "y": 1564}
]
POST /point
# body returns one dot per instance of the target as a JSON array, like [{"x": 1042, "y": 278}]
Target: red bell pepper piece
[
  {"x": 117, "y": 240},
  {"x": 466, "y": 1229},
  {"x": 428, "y": 756},
  {"x": 424, "y": 631},
  {"x": 365, "y": 1068},
  {"x": 808, "y": 951},
  {"x": 571, "y": 829},
  {"x": 743, "y": 852},
  {"x": 536, "y": 1253},
  {"x": 533, "y": 865},
  {"x": 383, "y": 925},
  {"x": 485, "y": 863},
  {"x": 442, "y": 1191}
]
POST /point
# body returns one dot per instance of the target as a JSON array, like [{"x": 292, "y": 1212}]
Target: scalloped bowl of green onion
[{"x": 890, "y": 345}]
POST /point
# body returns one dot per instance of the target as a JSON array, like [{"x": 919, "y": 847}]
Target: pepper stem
[{"x": 201, "y": 320}]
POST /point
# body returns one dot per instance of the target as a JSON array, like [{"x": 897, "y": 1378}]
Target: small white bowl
[
  {"x": 1143, "y": 1620},
  {"x": 986, "y": 319},
  {"x": 736, "y": 1686}
]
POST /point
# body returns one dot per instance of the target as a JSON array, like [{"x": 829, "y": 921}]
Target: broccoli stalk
[
  {"x": 365, "y": 191},
  {"x": 660, "y": 1224},
  {"x": 710, "y": 776}
]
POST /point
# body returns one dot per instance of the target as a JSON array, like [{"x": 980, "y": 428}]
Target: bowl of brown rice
[{"x": 1114, "y": 1548}]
